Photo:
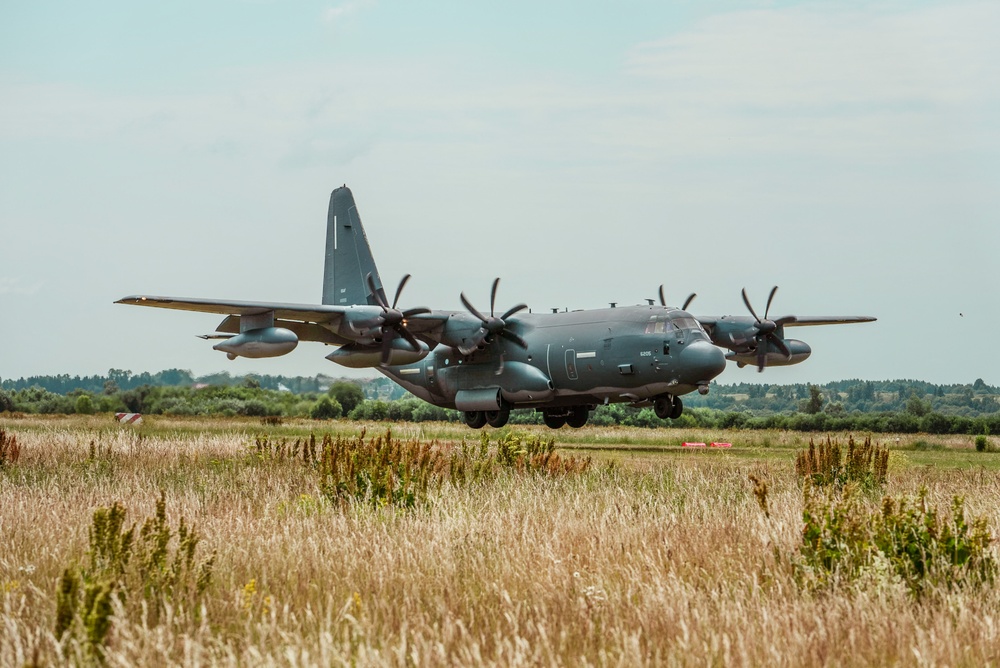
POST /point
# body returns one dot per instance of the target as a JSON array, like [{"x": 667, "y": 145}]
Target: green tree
[
  {"x": 84, "y": 404},
  {"x": 814, "y": 404},
  {"x": 917, "y": 406},
  {"x": 326, "y": 409},
  {"x": 348, "y": 394}
]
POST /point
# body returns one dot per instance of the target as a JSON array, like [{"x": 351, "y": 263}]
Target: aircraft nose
[{"x": 702, "y": 362}]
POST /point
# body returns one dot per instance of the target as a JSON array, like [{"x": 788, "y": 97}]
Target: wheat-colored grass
[{"x": 656, "y": 560}]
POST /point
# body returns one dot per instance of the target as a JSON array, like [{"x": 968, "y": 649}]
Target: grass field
[{"x": 655, "y": 554}]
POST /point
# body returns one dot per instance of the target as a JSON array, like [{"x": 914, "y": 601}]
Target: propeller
[
  {"x": 392, "y": 322},
  {"x": 766, "y": 330},
  {"x": 687, "y": 302},
  {"x": 494, "y": 325}
]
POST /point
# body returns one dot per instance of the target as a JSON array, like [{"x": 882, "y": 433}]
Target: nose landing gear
[{"x": 668, "y": 407}]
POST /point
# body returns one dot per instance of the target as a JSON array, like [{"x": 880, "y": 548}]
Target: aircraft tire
[
  {"x": 578, "y": 417},
  {"x": 553, "y": 421},
  {"x": 497, "y": 419},
  {"x": 475, "y": 419},
  {"x": 676, "y": 409},
  {"x": 663, "y": 406}
]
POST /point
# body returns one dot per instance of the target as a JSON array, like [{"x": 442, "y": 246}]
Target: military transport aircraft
[{"x": 563, "y": 364}]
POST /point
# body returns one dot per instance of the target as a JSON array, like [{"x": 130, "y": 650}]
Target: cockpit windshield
[
  {"x": 688, "y": 323},
  {"x": 658, "y": 325}
]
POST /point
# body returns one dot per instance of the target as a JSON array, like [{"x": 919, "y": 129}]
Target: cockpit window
[
  {"x": 658, "y": 324},
  {"x": 688, "y": 323}
]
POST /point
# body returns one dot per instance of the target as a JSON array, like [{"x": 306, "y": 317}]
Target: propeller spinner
[
  {"x": 492, "y": 326},
  {"x": 766, "y": 330}
]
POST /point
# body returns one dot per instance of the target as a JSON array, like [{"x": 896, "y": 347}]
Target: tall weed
[
  {"x": 140, "y": 569},
  {"x": 10, "y": 451},
  {"x": 867, "y": 464},
  {"x": 843, "y": 539}
]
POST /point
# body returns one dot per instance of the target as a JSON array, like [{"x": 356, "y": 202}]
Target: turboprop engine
[
  {"x": 262, "y": 342},
  {"x": 799, "y": 350}
]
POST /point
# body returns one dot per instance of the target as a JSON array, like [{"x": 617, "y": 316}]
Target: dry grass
[{"x": 666, "y": 560}]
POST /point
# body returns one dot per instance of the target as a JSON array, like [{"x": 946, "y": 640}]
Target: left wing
[
  {"x": 324, "y": 323},
  {"x": 318, "y": 313}
]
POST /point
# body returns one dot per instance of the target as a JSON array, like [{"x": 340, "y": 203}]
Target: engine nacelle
[
  {"x": 357, "y": 356},
  {"x": 800, "y": 352},
  {"x": 256, "y": 343}
]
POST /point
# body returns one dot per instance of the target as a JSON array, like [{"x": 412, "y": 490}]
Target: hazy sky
[{"x": 848, "y": 152}]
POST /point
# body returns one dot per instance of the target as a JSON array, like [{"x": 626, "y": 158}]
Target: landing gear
[
  {"x": 498, "y": 418},
  {"x": 574, "y": 416},
  {"x": 578, "y": 417},
  {"x": 553, "y": 420},
  {"x": 475, "y": 419},
  {"x": 668, "y": 407},
  {"x": 479, "y": 419}
]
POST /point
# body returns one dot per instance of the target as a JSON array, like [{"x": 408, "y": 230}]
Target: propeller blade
[
  {"x": 746, "y": 301},
  {"x": 780, "y": 344},
  {"x": 471, "y": 308},
  {"x": 375, "y": 293},
  {"x": 474, "y": 343},
  {"x": 412, "y": 340},
  {"x": 770, "y": 298},
  {"x": 761, "y": 357},
  {"x": 514, "y": 338},
  {"x": 415, "y": 311},
  {"x": 780, "y": 322},
  {"x": 663, "y": 300},
  {"x": 687, "y": 302},
  {"x": 512, "y": 311},
  {"x": 493, "y": 295},
  {"x": 386, "y": 349},
  {"x": 399, "y": 290}
]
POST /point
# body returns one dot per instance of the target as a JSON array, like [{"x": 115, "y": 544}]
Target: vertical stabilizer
[{"x": 348, "y": 257}]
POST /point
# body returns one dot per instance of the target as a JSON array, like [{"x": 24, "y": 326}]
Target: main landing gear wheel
[
  {"x": 498, "y": 418},
  {"x": 475, "y": 419},
  {"x": 578, "y": 417},
  {"x": 552, "y": 420},
  {"x": 668, "y": 407}
]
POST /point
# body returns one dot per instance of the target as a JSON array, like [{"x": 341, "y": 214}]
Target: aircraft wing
[
  {"x": 792, "y": 321},
  {"x": 311, "y": 322},
  {"x": 319, "y": 313},
  {"x": 803, "y": 320}
]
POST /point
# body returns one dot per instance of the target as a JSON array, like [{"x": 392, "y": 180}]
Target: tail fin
[{"x": 348, "y": 257}]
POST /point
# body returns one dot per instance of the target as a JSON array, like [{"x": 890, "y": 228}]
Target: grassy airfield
[{"x": 651, "y": 554}]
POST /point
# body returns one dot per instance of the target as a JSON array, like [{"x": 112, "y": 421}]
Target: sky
[{"x": 848, "y": 152}]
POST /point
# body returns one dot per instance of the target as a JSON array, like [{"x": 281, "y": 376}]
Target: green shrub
[
  {"x": 841, "y": 540},
  {"x": 983, "y": 441},
  {"x": 326, "y": 409},
  {"x": 139, "y": 568},
  {"x": 349, "y": 395},
  {"x": 380, "y": 471}
]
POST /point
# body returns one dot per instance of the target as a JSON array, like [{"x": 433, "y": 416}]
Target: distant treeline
[
  {"x": 900, "y": 406},
  {"x": 119, "y": 379}
]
